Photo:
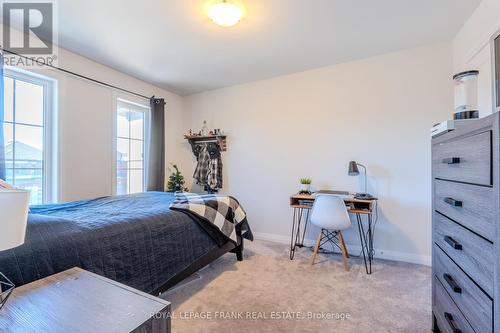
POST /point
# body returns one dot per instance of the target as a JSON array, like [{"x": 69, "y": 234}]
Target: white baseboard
[
  {"x": 379, "y": 253},
  {"x": 272, "y": 237}
]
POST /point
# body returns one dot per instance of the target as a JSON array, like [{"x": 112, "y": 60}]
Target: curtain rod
[{"x": 76, "y": 74}]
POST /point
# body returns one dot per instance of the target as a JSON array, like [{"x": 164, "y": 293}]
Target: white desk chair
[{"x": 330, "y": 214}]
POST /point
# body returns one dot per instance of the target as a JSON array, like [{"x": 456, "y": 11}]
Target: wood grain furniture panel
[
  {"x": 469, "y": 205},
  {"x": 473, "y": 254},
  {"x": 473, "y": 303},
  {"x": 448, "y": 315},
  {"x": 79, "y": 301},
  {"x": 457, "y": 160}
]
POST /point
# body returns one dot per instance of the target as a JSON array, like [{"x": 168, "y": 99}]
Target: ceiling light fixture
[{"x": 224, "y": 13}]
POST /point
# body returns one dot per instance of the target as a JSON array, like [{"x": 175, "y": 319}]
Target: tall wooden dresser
[{"x": 466, "y": 270}]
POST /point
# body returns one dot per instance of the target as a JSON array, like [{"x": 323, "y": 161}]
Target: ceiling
[{"x": 172, "y": 43}]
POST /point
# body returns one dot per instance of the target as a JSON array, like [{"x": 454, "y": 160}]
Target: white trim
[
  {"x": 140, "y": 103},
  {"x": 130, "y": 99},
  {"x": 494, "y": 84},
  {"x": 51, "y": 181},
  {"x": 379, "y": 253},
  {"x": 114, "y": 131}
]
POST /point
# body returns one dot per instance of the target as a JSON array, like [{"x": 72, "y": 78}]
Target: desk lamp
[
  {"x": 354, "y": 171},
  {"x": 13, "y": 220}
]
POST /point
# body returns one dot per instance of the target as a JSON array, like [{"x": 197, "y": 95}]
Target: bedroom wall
[
  {"x": 377, "y": 111},
  {"x": 471, "y": 49},
  {"x": 85, "y": 125}
]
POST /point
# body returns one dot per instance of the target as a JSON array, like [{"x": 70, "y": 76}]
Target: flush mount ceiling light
[{"x": 224, "y": 13}]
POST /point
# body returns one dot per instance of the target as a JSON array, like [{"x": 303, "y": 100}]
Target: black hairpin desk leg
[
  {"x": 296, "y": 240},
  {"x": 366, "y": 239}
]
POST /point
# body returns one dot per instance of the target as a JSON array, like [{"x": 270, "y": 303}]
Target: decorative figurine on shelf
[
  {"x": 306, "y": 186},
  {"x": 204, "y": 129},
  {"x": 176, "y": 181}
]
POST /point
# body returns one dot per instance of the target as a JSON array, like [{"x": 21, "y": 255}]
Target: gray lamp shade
[{"x": 353, "y": 169}]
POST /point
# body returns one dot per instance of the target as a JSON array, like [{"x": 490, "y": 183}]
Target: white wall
[
  {"x": 86, "y": 124},
  {"x": 471, "y": 49},
  {"x": 377, "y": 111}
]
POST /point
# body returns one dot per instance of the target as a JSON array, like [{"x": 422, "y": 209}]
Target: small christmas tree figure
[{"x": 176, "y": 181}]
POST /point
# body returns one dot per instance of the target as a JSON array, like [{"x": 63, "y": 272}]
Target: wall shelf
[{"x": 197, "y": 139}]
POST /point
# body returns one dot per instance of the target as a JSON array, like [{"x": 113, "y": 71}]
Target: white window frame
[
  {"x": 495, "y": 84},
  {"x": 49, "y": 182},
  {"x": 142, "y": 103}
]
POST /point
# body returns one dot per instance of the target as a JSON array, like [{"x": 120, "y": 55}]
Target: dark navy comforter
[{"x": 135, "y": 239}]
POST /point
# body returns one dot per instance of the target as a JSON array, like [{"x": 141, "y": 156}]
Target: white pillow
[{"x": 6, "y": 186}]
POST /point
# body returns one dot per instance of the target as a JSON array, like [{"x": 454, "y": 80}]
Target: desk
[{"x": 359, "y": 207}]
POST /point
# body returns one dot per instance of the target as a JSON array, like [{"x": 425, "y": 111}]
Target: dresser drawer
[
  {"x": 469, "y": 251},
  {"x": 448, "y": 316},
  {"x": 474, "y": 304},
  {"x": 470, "y": 205},
  {"x": 466, "y": 159}
]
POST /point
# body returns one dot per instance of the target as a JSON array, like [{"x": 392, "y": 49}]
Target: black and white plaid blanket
[{"x": 222, "y": 212}]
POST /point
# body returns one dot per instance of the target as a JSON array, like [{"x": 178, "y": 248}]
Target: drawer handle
[
  {"x": 452, "y": 323},
  {"x": 453, "y": 243},
  {"x": 452, "y": 283},
  {"x": 451, "y": 160},
  {"x": 453, "y": 202}
]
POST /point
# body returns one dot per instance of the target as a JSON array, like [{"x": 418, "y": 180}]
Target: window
[
  {"x": 27, "y": 106},
  {"x": 131, "y": 127}
]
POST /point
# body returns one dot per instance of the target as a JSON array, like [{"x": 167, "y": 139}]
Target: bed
[{"x": 135, "y": 239}]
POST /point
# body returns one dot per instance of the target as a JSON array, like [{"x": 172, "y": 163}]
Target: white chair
[{"x": 329, "y": 213}]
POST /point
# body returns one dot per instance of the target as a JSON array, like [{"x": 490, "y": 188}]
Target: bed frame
[{"x": 203, "y": 261}]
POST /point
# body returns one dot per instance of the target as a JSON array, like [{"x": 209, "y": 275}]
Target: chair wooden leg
[
  {"x": 342, "y": 243},
  {"x": 344, "y": 251},
  {"x": 316, "y": 248}
]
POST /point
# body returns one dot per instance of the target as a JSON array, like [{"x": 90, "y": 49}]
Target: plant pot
[{"x": 305, "y": 188}]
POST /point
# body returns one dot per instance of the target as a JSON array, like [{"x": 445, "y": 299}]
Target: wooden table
[
  {"x": 79, "y": 301},
  {"x": 359, "y": 207}
]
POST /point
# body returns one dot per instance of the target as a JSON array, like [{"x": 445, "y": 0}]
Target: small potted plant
[{"x": 306, "y": 185}]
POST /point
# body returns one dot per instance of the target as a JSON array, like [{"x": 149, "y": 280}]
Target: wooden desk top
[
  {"x": 79, "y": 301},
  {"x": 364, "y": 202},
  {"x": 313, "y": 197}
]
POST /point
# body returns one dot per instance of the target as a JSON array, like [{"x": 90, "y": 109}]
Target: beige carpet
[{"x": 269, "y": 293}]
